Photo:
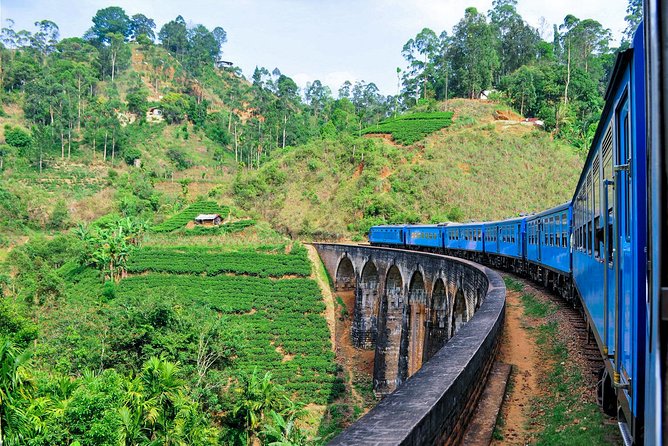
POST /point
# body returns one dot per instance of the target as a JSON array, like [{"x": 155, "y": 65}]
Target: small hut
[
  {"x": 154, "y": 114},
  {"x": 208, "y": 219}
]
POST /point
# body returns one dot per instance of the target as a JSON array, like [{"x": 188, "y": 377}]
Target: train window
[
  {"x": 598, "y": 239},
  {"x": 596, "y": 191},
  {"x": 564, "y": 229},
  {"x": 531, "y": 233}
]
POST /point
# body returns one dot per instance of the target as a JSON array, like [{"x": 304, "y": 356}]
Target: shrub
[
  {"x": 131, "y": 154},
  {"x": 17, "y": 137},
  {"x": 179, "y": 159}
]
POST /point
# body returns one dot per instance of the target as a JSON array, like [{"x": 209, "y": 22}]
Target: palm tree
[
  {"x": 257, "y": 398},
  {"x": 163, "y": 390},
  {"x": 283, "y": 432},
  {"x": 15, "y": 389}
]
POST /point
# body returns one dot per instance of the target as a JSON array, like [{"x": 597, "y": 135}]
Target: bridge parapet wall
[{"x": 425, "y": 402}]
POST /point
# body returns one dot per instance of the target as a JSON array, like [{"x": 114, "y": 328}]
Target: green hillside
[{"x": 478, "y": 168}]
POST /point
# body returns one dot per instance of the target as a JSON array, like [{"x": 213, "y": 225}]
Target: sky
[{"x": 329, "y": 40}]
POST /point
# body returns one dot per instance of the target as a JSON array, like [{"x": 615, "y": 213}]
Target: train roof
[
  {"x": 418, "y": 225},
  {"x": 387, "y": 226},
  {"x": 559, "y": 208},
  {"x": 471, "y": 223},
  {"x": 507, "y": 220}
]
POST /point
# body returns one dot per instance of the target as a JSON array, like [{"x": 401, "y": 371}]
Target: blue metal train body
[
  {"x": 391, "y": 235},
  {"x": 428, "y": 236},
  {"x": 548, "y": 239},
  {"x": 507, "y": 237},
  {"x": 593, "y": 249}
]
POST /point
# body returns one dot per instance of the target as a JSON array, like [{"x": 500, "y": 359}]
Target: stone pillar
[{"x": 392, "y": 320}]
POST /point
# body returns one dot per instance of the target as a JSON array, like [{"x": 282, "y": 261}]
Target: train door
[
  {"x": 539, "y": 239},
  {"x": 608, "y": 199},
  {"x": 623, "y": 256}
]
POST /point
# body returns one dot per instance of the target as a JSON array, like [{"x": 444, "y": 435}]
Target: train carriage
[
  {"x": 426, "y": 237},
  {"x": 452, "y": 237},
  {"x": 387, "y": 235},
  {"x": 465, "y": 239},
  {"x": 549, "y": 241},
  {"x": 505, "y": 243}
]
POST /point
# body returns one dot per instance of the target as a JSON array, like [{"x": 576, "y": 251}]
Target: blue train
[{"x": 603, "y": 248}]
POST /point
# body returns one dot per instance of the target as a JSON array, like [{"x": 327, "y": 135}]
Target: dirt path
[
  {"x": 520, "y": 350},
  {"x": 357, "y": 364},
  {"x": 318, "y": 275}
]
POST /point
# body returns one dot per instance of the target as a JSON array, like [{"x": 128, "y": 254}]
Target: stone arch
[
  {"x": 413, "y": 327},
  {"x": 394, "y": 284},
  {"x": 391, "y": 318},
  {"x": 439, "y": 320},
  {"x": 345, "y": 275},
  {"x": 365, "y": 320},
  {"x": 478, "y": 300},
  {"x": 459, "y": 312}
]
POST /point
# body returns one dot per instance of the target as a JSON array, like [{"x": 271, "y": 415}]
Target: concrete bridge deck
[{"x": 434, "y": 323}]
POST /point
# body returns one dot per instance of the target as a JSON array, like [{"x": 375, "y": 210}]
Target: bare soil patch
[{"x": 519, "y": 349}]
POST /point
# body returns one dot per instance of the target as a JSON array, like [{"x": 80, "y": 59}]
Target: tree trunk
[
  {"x": 568, "y": 73},
  {"x": 285, "y": 123},
  {"x": 113, "y": 147},
  {"x": 236, "y": 144},
  {"x": 62, "y": 145},
  {"x": 106, "y": 133},
  {"x": 113, "y": 65},
  {"x": 446, "y": 88},
  {"x": 79, "y": 105},
  {"x": 69, "y": 141}
]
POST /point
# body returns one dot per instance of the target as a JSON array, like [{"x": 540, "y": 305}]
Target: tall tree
[
  {"x": 317, "y": 96},
  {"x": 107, "y": 22},
  {"x": 141, "y": 25},
  {"x": 174, "y": 36},
  {"x": 632, "y": 18},
  {"x": 45, "y": 39},
  {"x": 473, "y": 54},
  {"x": 517, "y": 41},
  {"x": 420, "y": 53}
]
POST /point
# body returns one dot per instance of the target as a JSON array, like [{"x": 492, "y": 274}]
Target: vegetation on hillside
[{"x": 476, "y": 169}]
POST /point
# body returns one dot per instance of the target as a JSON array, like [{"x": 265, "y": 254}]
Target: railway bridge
[{"x": 433, "y": 322}]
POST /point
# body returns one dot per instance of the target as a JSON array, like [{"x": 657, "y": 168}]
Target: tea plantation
[
  {"x": 411, "y": 128},
  {"x": 181, "y": 219},
  {"x": 222, "y": 316}
]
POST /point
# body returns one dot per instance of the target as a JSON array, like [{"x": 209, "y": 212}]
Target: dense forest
[{"x": 119, "y": 324}]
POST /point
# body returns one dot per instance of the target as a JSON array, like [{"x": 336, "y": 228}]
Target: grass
[
  {"x": 563, "y": 416},
  {"x": 512, "y": 284},
  {"x": 536, "y": 308}
]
